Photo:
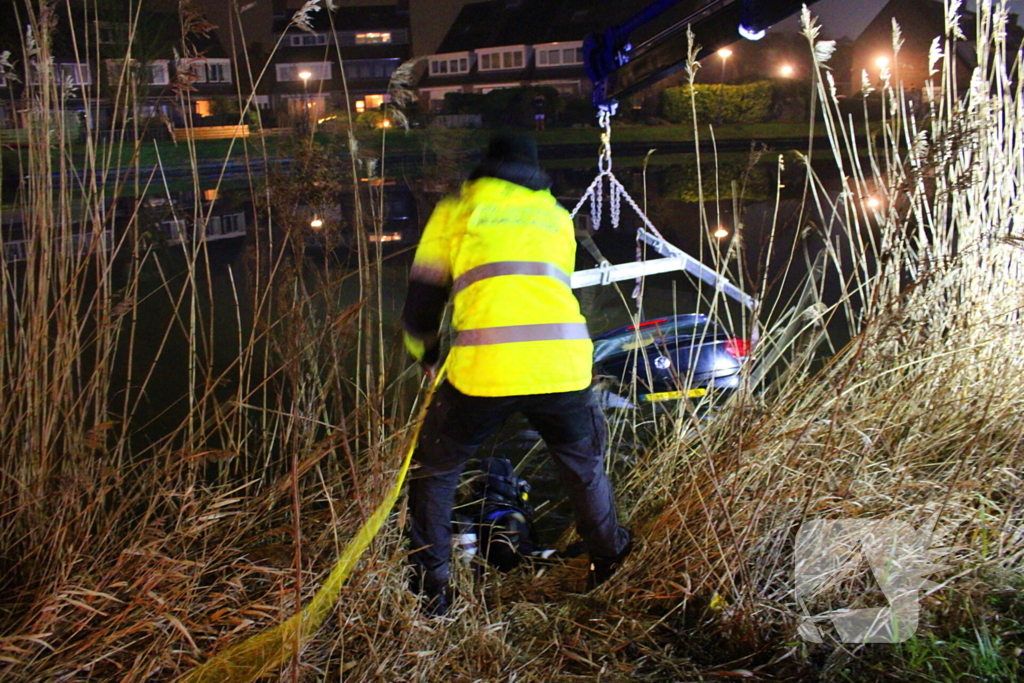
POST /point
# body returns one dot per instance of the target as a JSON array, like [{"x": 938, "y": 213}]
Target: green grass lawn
[{"x": 171, "y": 155}]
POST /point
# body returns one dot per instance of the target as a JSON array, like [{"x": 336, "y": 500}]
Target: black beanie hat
[{"x": 513, "y": 157}]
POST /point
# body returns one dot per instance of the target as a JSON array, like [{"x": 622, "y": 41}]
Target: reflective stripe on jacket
[{"x": 507, "y": 253}]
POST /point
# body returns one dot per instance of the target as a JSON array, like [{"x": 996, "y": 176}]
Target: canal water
[{"x": 236, "y": 229}]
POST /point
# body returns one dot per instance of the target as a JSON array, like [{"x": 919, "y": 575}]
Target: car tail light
[
  {"x": 737, "y": 348},
  {"x": 646, "y": 324}
]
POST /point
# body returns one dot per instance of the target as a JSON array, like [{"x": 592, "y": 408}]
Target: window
[
  {"x": 357, "y": 69},
  {"x": 371, "y": 38},
  {"x": 319, "y": 71},
  {"x": 159, "y": 73},
  {"x": 306, "y": 39},
  {"x": 504, "y": 59},
  {"x": 78, "y": 74},
  {"x": 263, "y": 102},
  {"x": 218, "y": 70},
  {"x": 559, "y": 54},
  {"x": 375, "y": 101},
  {"x": 195, "y": 68},
  {"x": 449, "y": 64},
  {"x": 204, "y": 107}
]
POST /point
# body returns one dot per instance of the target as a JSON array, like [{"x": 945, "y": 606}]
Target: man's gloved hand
[{"x": 431, "y": 361}]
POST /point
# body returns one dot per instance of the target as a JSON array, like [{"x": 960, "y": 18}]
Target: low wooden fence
[{"x": 211, "y": 133}]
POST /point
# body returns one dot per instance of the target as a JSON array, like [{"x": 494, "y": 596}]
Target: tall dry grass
[{"x": 135, "y": 563}]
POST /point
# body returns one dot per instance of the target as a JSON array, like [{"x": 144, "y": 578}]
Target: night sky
[{"x": 838, "y": 17}]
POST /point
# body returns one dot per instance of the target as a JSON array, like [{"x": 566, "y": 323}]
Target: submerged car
[{"x": 681, "y": 356}]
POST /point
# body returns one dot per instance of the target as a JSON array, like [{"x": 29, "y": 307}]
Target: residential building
[
  {"x": 500, "y": 44},
  {"x": 346, "y": 59},
  {"x": 98, "y": 80}
]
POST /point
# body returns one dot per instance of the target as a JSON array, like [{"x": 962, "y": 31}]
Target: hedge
[{"x": 748, "y": 103}]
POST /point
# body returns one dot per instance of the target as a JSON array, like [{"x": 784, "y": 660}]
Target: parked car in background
[{"x": 681, "y": 356}]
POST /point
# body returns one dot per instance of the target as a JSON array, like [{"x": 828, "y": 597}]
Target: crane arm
[{"x": 618, "y": 69}]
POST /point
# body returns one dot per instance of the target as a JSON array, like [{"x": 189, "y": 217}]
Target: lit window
[
  {"x": 374, "y": 101},
  {"x": 360, "y": 106},
  {"x": 204, "y": 107},
  {"x": 210, "y": 195},
  {"x": 371, "y": 38}
]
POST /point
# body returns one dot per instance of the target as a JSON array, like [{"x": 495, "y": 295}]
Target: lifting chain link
[{"x": 616, "y": 192}]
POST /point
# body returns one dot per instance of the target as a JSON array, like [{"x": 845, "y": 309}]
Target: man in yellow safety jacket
[{"x": 504, "y": 249}]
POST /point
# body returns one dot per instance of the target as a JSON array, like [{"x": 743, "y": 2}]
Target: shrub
[
  {"x": 748, "y": 103},
  {"x": 506, "y": 107}
]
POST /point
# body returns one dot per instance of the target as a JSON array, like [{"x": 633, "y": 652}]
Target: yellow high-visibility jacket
[{"x": 506, "y": 252}]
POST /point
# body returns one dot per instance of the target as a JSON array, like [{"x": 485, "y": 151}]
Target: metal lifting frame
[{"x": 674, "y": 259}]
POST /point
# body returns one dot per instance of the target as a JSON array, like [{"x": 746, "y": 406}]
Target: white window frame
[
  {"x": 81, "y": 74},
  {"x": 304, "y": 39},
  {"x": 224, "y": 64},
  {"x": 196, "y": 67},
  {"x": 545, "y": 51},
  {"x": 506, "y": 58},
  {"x": 164, "y": 65},
  {"x": 463, "y": 62},
  {"x": 319, "y": 71}
]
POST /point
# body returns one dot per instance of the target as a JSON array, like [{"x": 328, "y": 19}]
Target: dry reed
[{"x": 135, "y": 563}]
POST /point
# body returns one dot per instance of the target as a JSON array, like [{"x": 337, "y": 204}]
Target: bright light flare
[
  {"x": 316, "y": 224},
  {"x": 725, "y": 53},
  {"x": 786, "y": 70},
  {"x": 305, "y": 75},
  {"x": 721, "y": 233},
  {"x": 873, "y": 202},
  {"x": 882, "y": 62}
]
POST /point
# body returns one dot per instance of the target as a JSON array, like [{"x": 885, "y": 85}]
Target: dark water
[{"x": 227, "y": 272}]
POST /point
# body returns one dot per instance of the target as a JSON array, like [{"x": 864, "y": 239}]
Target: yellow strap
[{"x": 264, "y": 652}]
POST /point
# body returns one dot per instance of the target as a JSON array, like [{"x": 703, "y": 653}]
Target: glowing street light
[
  {"x": 724, "y": 53},
  {"x": 882, "y": 62},
  {"x": 721, "y": 233},
  {"x": 316, "y": 224},
  {"x": 873, "y": 202},
  {"x": 786, "y": 71},
  {"x": 305, "y": 76}
]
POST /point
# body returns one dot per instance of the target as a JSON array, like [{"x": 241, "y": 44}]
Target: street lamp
[
  {"x": 305, "y": 76},
  {"x": 786, "y": 71},
  {"x": 721, "y": 233},
  {"x": 724, "y": 53}
]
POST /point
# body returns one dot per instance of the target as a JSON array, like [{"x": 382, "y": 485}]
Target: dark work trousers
[{"x": 571, "y": 425}]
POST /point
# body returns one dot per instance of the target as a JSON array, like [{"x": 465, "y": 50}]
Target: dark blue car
[{"x": 671, "y": 358}]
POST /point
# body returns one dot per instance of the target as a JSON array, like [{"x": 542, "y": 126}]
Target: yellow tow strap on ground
[{"x": 264, "y": 652}]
